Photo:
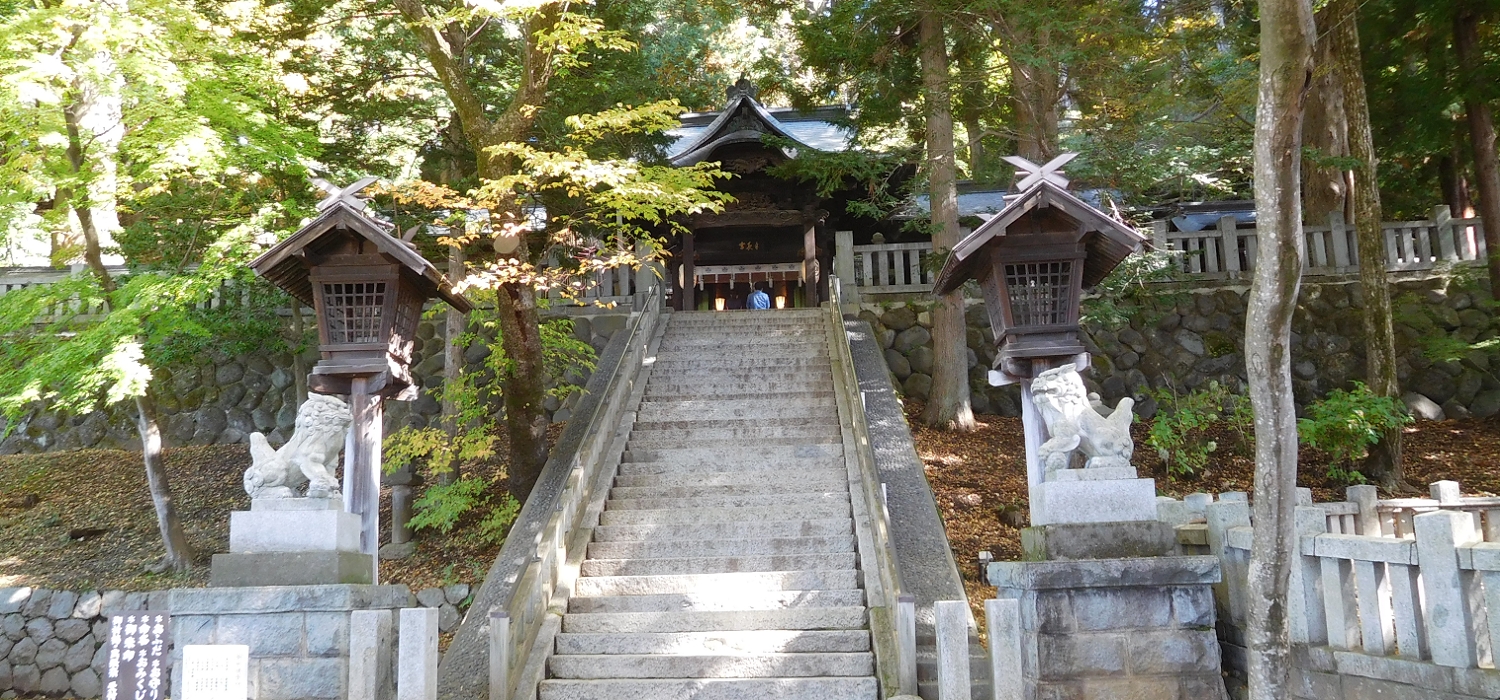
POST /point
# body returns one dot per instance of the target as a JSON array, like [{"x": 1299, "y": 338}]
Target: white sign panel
[{"x": 215, "y": 672}]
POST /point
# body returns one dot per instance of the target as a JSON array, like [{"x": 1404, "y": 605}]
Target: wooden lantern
[
  {"x": 1033, "y": 260},
  {"x": 368, "y": 288}
]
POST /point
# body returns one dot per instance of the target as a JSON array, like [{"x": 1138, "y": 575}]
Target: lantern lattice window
[
  {"x": 353, "y": 311},
  {"x": 408, "y": 312},
  {"x": 1041, "y": 293}
]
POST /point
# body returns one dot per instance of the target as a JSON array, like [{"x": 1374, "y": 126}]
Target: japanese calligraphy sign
[
  {"x": 215, "y": 672},
  {"x": 138, "y": 649}
]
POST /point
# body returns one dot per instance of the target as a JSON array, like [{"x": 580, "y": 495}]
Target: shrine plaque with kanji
[
  {"x": 215, "y": 672},
  {"x": 138, "y": 649}
]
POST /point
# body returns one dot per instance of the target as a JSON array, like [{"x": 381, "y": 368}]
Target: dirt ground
[
  {"x": 979, "y": 478},
  {"x": 84, "y": 520}
]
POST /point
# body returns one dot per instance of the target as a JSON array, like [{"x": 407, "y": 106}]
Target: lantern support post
[{"x": 362, "y": 467}]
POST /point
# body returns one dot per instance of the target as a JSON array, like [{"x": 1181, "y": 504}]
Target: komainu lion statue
[
  {"x": 1077, "y": 423},
  {"x": 308, "y": 458}
]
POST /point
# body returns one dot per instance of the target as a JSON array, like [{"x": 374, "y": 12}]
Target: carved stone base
[
  {"x": 1145, "y": 538},
  {"x": 291, "y": 568}
]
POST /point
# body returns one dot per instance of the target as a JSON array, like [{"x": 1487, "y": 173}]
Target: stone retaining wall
[
  {"x": 1185, "y": 338},
  {"x": 53, "y": 642},
  {"x": 221, "y": 400}
]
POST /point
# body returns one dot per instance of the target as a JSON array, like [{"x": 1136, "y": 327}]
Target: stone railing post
[
  {"x": 906, "y": 642},
  {"x": 1342, "y": 261},
  {"x": 1229, "y": 244},
  {"x": 1442, "y": 222},
  {"x": 1159, "y": 236},
  {"x": 1229, "y": 592},
  {"x": 1365, "y": 497},
  {"x": 499, "y": 655},
  {"x": 1452, "y": 608},
  {"x": 1003, "y": 618},
  {"x": 417, "y": 656},
  {"x": 952, "y": 622},
  {"x": 1309, "y": 624},
  {"x": 843, "y": 267},
  {"x": 370, "y": 655}
]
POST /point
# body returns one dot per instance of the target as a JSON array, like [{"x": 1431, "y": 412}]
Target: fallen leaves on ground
[{"x": 979, "y": 478}]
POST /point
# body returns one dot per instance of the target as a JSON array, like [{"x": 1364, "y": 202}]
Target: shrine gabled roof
[
  {"x": 745, "y": 120},
  {"x": 1109, "y": 245},
  {"x": 285, "y": 264}
]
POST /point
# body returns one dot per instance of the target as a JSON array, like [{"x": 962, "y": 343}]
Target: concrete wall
[
  {"x": 1188, "y": 337},
  {"x": 219, "y": 399}
]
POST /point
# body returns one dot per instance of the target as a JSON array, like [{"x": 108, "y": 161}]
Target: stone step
[
  {"x": 706, "y": 530},
  {"x": 717, "y": 565},
  {"x": 742, "y": 642},
  {"x": 711, "y": 689},
  {"x": 708, "y": 490},
  {"x": 747, "y": 432},
  {"x": 822, "y": 400},
  {"x": 820, "y": 480},
  {"x": 760, "y": 581},
  {"x": 711, "y": 377},
  {"x": 662, "y": 548},
  {"x": 739, "y": 463},
  {"x": 643, "y": 426},
  {"x": 727, "y": 515},
  {"x": 743, "y": 391},
  {"x": 727, "y": 360},
  {"x": 796, "y": 500},
  {"x": 698, "y": 339},
  {"x": 845, "y": 618},
  {"x": 703, "y": 601},
  {"x": 711, "y": 439},
  {"x": 740, "y": 315},
  {"x": 602, "y": 666},
  {"x": 744, "y": 410},
  {"x": 766, "y": 453}
]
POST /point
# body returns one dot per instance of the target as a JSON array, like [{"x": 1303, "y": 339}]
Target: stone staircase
[{"x": 724, "y": 566}]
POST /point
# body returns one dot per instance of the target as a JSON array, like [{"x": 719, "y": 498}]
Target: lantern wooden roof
[
  {"x": 288, "y": 264},
  {"x": 1107, "y": 242}
]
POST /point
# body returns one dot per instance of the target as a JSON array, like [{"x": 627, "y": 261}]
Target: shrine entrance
[{"x": 773, "y": 234}]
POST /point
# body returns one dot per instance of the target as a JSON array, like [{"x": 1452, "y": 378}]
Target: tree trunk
[
  {"x": 948, "y": 403},
  {"x": 299, "y": 365},
  {"x": 520, "y": 330},
  {"x": 1481, "y": 134},
  {"x": 179, "y": 555},
  {"x": 1325, "y": 130},
  {"x": 525, "y": 418},
  {"x": 1384, "y": 465},
  {"x": 453, "y": 363},
  {"x": 1286, "y": 42},
  {"x": 1037, "y": 90},
  {"x": 1455, "y": 184}
]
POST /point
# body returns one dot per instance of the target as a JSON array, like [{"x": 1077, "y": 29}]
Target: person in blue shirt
[{"x": 758, "y": 299}]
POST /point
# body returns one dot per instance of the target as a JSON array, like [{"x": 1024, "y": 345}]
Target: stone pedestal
[
  {"x": 1106, "y": 629},
  {"x": 293, "y": 542},
  {"x": 299, "y": 636},
  {"x": 1075, "y": 496},
  {"x": 1117, "y": 540}
]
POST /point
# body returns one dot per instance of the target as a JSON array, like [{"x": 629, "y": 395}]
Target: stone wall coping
[
  {"x": 272, "y": 599},
  {"x": 1105, "y": 573}
]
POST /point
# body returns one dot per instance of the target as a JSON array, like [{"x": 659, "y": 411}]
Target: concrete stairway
[{"x": 724, "y": 566}]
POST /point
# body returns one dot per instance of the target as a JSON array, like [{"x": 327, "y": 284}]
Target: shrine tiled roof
[{"x": 745, "y": 120}]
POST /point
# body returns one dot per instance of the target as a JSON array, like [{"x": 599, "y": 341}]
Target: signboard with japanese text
[
  {"x": 215, "y": 672},
  {"x": 138, "y": 656}
]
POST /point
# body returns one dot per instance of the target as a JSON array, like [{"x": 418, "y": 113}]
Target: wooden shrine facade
[{"x": 776, "y": 233}]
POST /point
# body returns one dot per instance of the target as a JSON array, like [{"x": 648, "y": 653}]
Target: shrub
[
  {"x": 1180, "y": 431},
  {"x": 1346, "y": 423},
  {"x": 442, "y": 506}
]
